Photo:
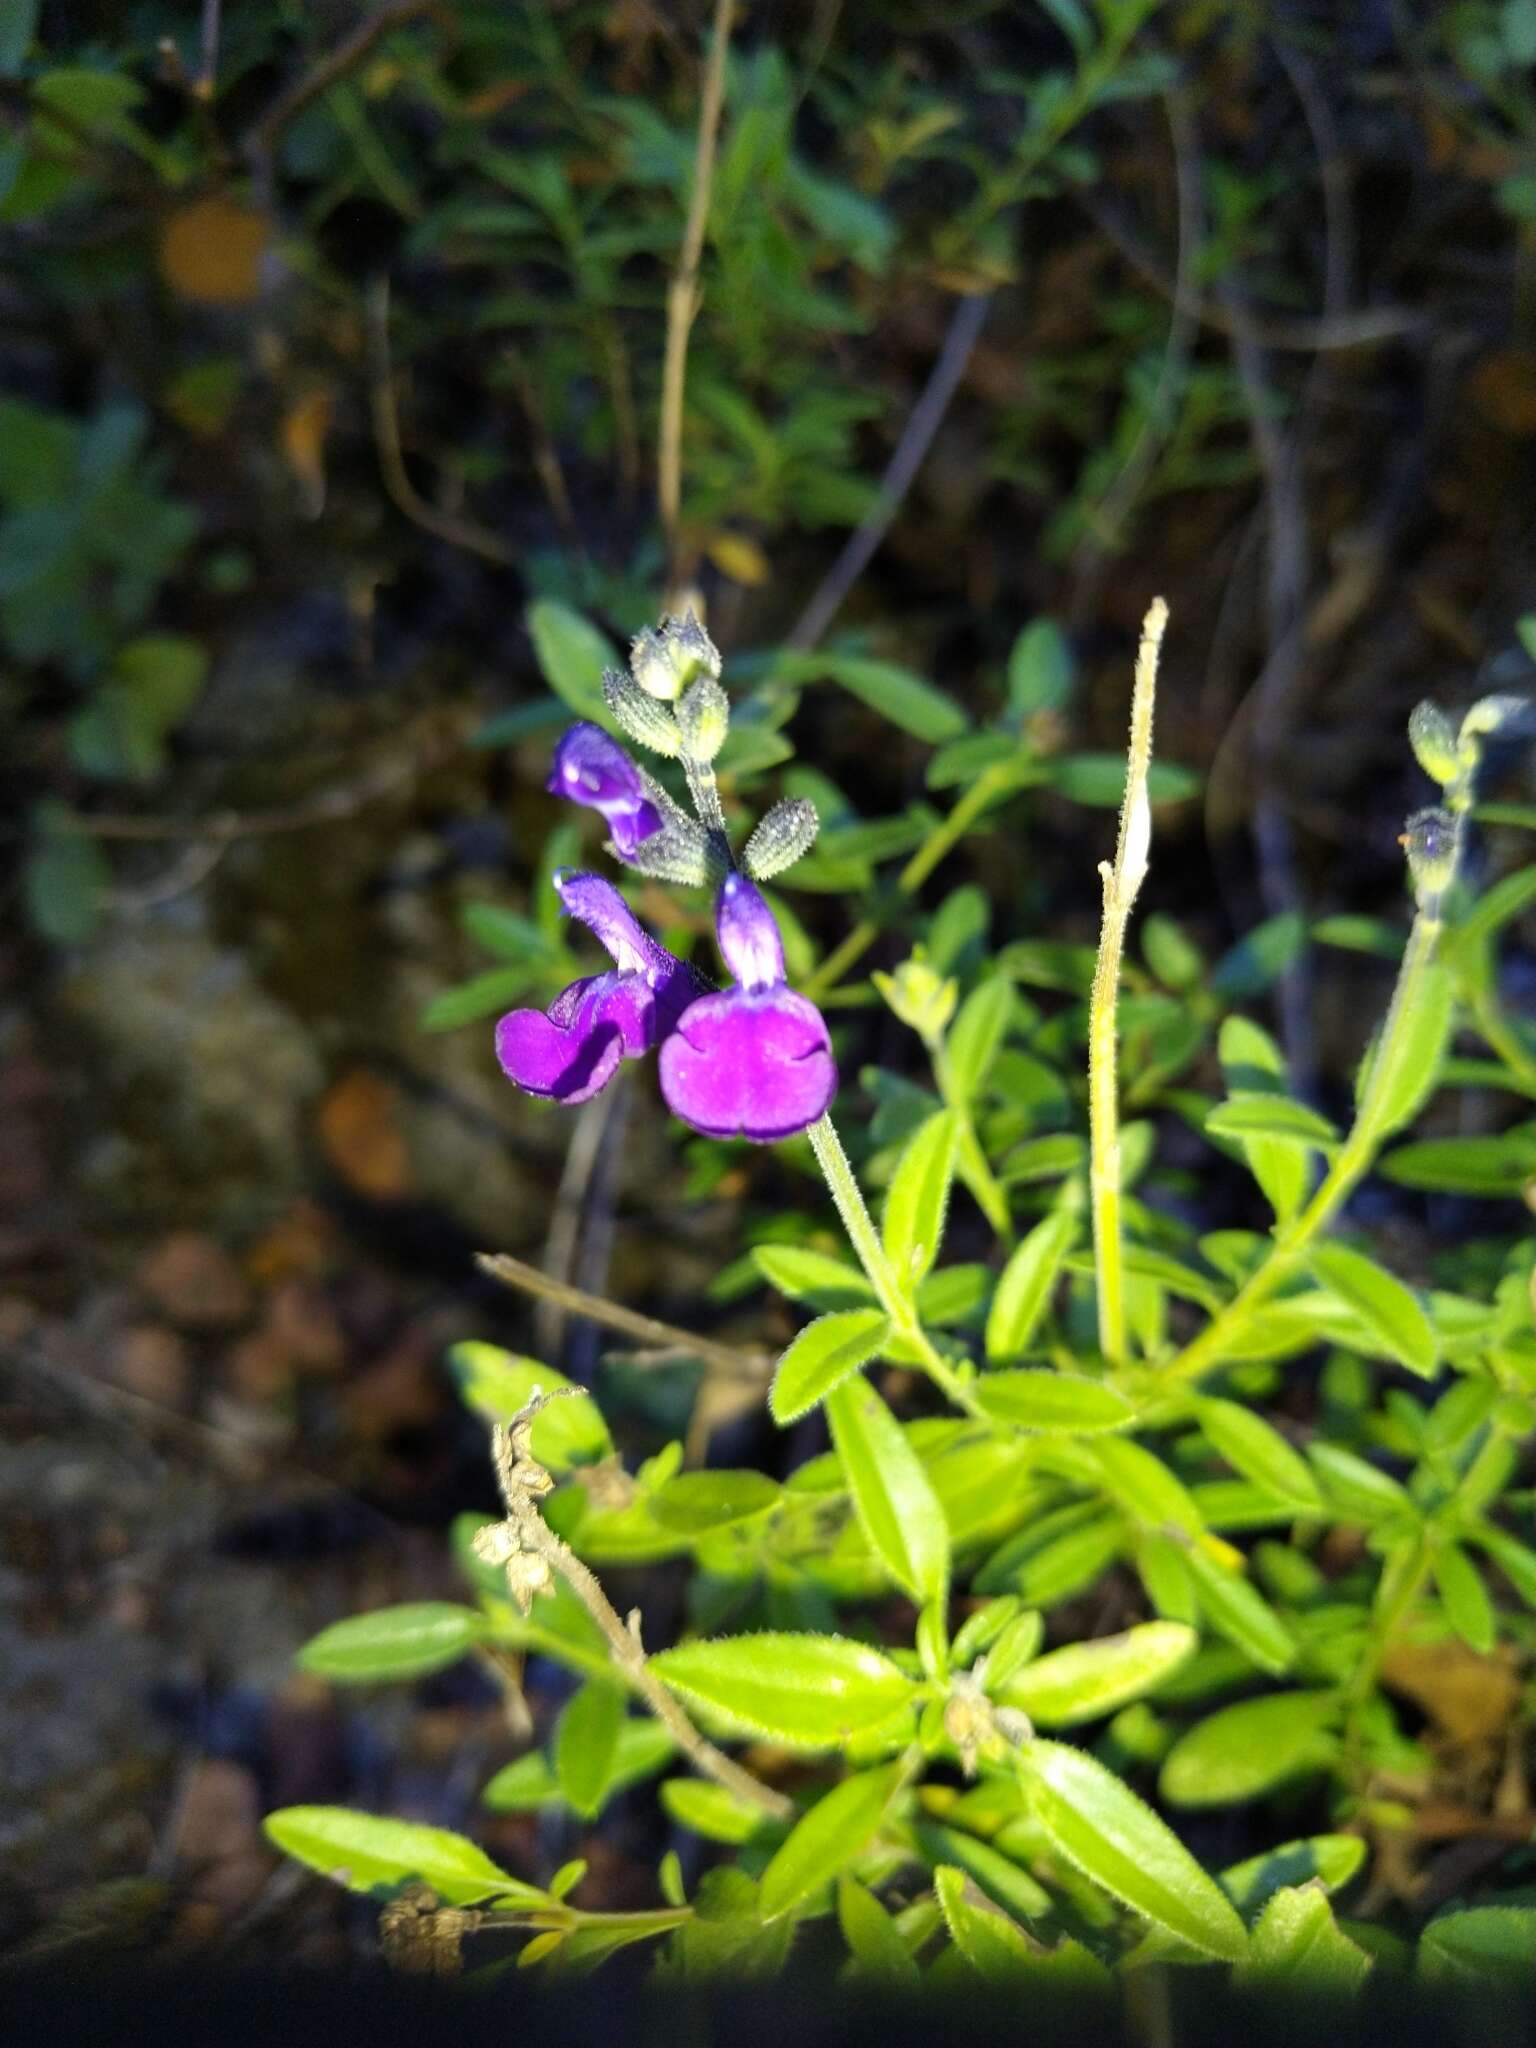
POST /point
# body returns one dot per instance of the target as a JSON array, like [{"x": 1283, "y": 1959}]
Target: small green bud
[
  {"x": 1485, "y": 716},
  {"x": 921, "y": 997},
  {"x": 645, "y": 721},
  {"x": 780, "y": 837},
  {"x": 1433, "y": 739},
  {"x": 1430, "y": 844},
  {"x": 680, "y": 852},
  {"x": 703, "y": 718},
  {"x": 663, "y": 663}
]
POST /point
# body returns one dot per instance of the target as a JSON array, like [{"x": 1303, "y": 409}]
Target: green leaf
[
  {"x": 709, "y": 1810},
  {"x": 1025, "y": 1286},
  {"x": 572, "y": 655},
  {"x": 1393, "y": 1091},
  {"x": 1480, "y": 1948},
  {"x": 1254, "y": 1066},
  {"x": 1465, "y": 1598},
  {"x": 1257, "y": 1450},
  {"x": 1035, "y": 1398},
  {"x": 393, "y": 1643},
  {"x": 1040, "y": 669},
  {"x": 1099, "y": 780},
  {"x": 1086, "y": 1680},
  {"x": 872, "y": 1937},
  {"x": 696, "y": 1501},
  {"x": 1467, "y": 1166},
  {"x": 17, "y": 29},
  {"x": 998, "y": 1875},
  {"x": 1246, "y": 1750},
  {"x": 893, "y": 1496},
  {"x": 498, "y": 1384},
  {"x": 506, "y": 934},
  {"x": 1382, "y": 1303},
  {"x": 1237, "y": 1610},
  {"x": 896, "y": 693},
  {"x": 368, "y": 1854},
  {"x": 977, "y": 1034},
  {"x": 1355, "y": 1490},
  {"x": 1272, "y": 1116},
  {"x": 1297, "y": 1945},
  {"x": 1328, "y": 1860},
  {"x": 918, "y": 1198},
  {"x": 989, "y": 1942},
  {"x": 65, "y": 883},
  {"x": 804, "y": 1275},
  {"x": 813, "y": 1692},
  {"x": 825, "y": 1354},
  {"x": 586, "y": 1745},
  {"x": 1100, "y": 1825},
  {"x": 484, "y": 995},
  {"x": 826, "y": 1839},
  {"x": 1260, "y": 958}
]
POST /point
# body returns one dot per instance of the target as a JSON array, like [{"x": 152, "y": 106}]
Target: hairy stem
[
  {"x": 1121, "y": 884},
  {"x": 870, "y": 1252}
]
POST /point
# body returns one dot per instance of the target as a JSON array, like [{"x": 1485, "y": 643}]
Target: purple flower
[
  {"x": 753, "y": 1061},
  {"x": 591, "y": 768},
  {"x": 573, "y": 1049}
]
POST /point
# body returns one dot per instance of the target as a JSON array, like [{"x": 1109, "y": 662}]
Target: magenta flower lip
[
  {"x": 572, "y": 1050},
  {"x": 591, "y": 768},
  {"x": 754, "y": 1061}
]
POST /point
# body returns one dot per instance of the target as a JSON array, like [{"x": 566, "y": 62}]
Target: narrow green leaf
[
  {"x": 810, "y": 1691},
  {"x": 918, "y": 1198},
  {"x": 1025, "y": 1286},
  {"x": 586, "y": 1745},
  {"x": 893, "y": 1496},
  {"x": 1067, "y": 1403},
  {"x": 1243, "y": 1751},
  {"x": 1357, "y": 1491},
  {"x": 805, "y": 1275},
  {"x": 825, "y": 1354},
  {"x": 977, "y": 1034},
  {"x": 1299, "y": 1946},
  {"x": 529, "y": 1784},
  {"x": 572, "y": 655},
  {"x": 1490, "y": 1167},
  {"x": 1396, "y": 1090},
  {"x": 1465, "y": 1598},
  {"x": 1086, "y": 1680},
  {"x": 989, "y": 1942},
  {"x": 393, "y": 1643},
  {"x": 1272, "y": 1116},
  {"x": 872, "y": 1937},
  {"x": 1257, "y": 1450},
  {"x": 1236, "y": 1609},
  {"x": 896, "y": 693},
  {"x": 827, "y": 1838},
  {"x": 1328, "y": 1860},
  {"x": 697, "y": 1501},
  {"x": 369, "y": 1854},
  {"x": 1040, "y": 669},
  {"x": 1382, "y": 1303},
  {"x": 1481, "y": 1948},
  {"x": 483, "y": 995},
  {"x": 1100, "y": 1825},
  {"x": 710, "y": 1810}
]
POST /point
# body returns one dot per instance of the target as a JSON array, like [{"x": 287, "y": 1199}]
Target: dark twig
[
  {"x": 646, "y": 1330},
  {"x": 859, "y": 549},
  {"x": 334, "y": 66}
]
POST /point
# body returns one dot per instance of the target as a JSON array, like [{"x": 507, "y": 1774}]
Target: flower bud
[
  {"x": 646, "y": 722},
  {"x": 592, "y": 768},
  {"x": 680, "y": 852},
  {"x": 780, "y": 837},
  {"x": 1433, "y": 739},
  {"x": 1430, "y": 844},
  {"x": 1489, "y": 713},
  {"x": 663, "y": 663},
  {"x": 703, "y": 718},
  {"x": 921, "y": 997}
]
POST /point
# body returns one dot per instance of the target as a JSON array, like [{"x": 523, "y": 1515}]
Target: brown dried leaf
[
  {"x": 211, "y": 251},
  {"x": 361, "y": 1137}
]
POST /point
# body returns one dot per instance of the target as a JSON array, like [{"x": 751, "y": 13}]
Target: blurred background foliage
[{"x": 332, "y": 358}]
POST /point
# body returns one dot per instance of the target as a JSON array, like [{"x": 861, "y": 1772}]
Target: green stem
[
  {"x": 1001, "y": 779},
  {"x": 974, "y": 1167},
  {"x": 1350, "y": 1165},
  {"x": 870, "y": 1252}
]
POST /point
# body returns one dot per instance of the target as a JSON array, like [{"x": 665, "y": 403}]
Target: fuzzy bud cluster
[
  {"x": 920, "y": 996},
  {"x": 666, "y": 661}
]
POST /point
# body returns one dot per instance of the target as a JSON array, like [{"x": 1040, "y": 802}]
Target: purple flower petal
[
  {"x": 749, "y": 1065},
  {"x": 749, "y": 938},
  {"x": 592, "y": 768},
  {"x": 574, "y": 1049}
]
